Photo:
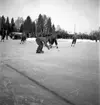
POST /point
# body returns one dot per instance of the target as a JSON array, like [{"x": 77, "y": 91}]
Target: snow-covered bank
[
  {"x": 78, "y": 40},
  {"x": 65, "y": 40},
  {"x": 31, "y": 39}
]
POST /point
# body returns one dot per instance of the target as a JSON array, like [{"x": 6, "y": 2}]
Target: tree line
[
  {"x": 42, "y": 26},
  {"x": 6, "y": 24}
]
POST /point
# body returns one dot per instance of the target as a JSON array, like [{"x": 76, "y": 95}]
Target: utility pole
[{"x": 74, "y": 28}]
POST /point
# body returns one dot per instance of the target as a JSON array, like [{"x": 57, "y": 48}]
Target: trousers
[{"x": 40, "y": 45}]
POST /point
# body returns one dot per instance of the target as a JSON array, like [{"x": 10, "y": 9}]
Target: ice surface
[{"x": 73, "y": 72}]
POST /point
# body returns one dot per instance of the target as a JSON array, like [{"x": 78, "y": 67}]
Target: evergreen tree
[
  {"x": 0, "y": 23},
  {"x": 21, "y": 28},
  {"x": 40, "y": 24},
  {"x": 27, "y": 26},
  {"x": 53, "y": 28},
  {"x": 45, "y": 19},
  {"x": 12, "y": 21},
  {"x": 3, "y": 22},
  {"x": 12, "y": 25},
  {"x": 33, "y": 27},
  {"x": 49, "y": 28},
  {"x": 7, "y": 24}
]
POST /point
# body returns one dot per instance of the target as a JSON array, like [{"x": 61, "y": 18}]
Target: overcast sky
[{"x": 66, "y": 13}]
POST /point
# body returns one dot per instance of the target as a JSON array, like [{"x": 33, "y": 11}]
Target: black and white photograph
[{"x": 49, "y": 52}]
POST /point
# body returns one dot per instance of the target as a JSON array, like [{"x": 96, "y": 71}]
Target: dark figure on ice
[
  {"x": 74, "y": 41},
  {"x": 96, "y": 40},
  {"x": 23, "y": 38},
  {"x": 52, "y": 40},
  {"x": 40, "y": 42},
  {"x": 2, "y": 35},
  {"x": 6, "y": 34}
]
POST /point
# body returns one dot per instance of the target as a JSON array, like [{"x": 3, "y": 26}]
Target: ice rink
[{"x": 72, "y": 72}]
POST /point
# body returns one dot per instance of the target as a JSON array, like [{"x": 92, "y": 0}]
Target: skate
[
  {"x": 57, "y": 47},
  {"x": 38, "y": 51},
  {"x": 42, "y": 51}
]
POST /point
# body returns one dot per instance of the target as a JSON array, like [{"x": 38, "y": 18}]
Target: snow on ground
[
  {"x": 73, "y": 72},
  {"x": 31, "y": 39},
  {"x": 62, "y": 40},
  {"x": 78, "y": 40}
]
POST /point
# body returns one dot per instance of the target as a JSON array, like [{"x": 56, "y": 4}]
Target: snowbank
[
  {"x": 31, "y": 39},
  {"x": 64, "y": 40},
  {"x": 78, "y": 40}
]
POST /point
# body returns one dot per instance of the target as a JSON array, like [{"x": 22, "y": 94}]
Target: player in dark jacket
[
  {"x": 52, "y": 40},
  {"x": 23, "y": 38},
  {"x": 74, "y": 40},
  {"x": 40, "y": 42},
  {"x": 2, "y": 35}
]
